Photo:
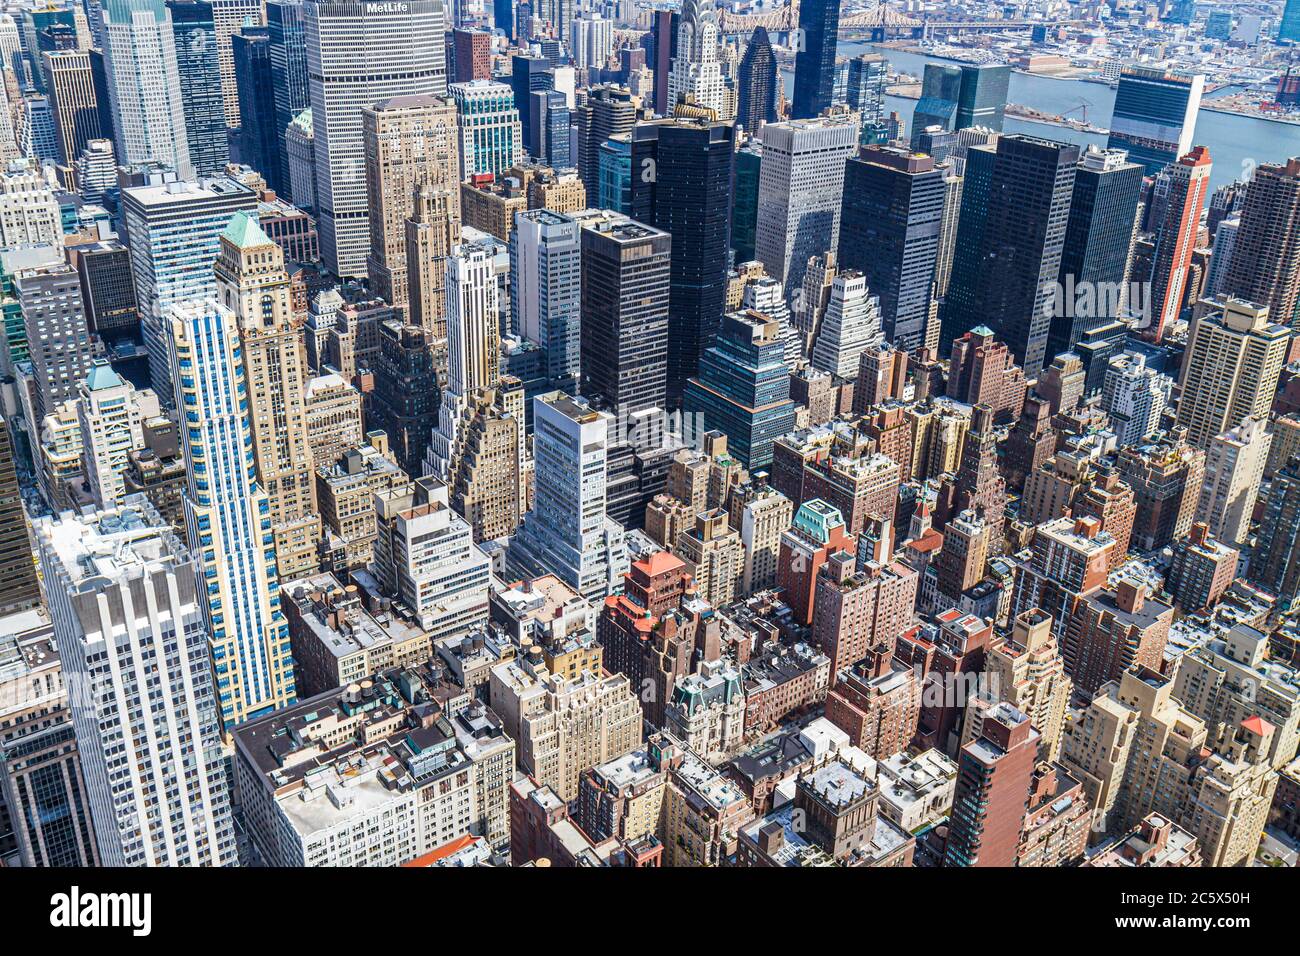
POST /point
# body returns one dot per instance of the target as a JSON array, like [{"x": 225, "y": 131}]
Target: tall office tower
[
  {"x": 765, "y": 295},
  {"x": 359, "y": 55},
  {"x": 19, "y": 589},
  {"x": 29, "y": 213},
  {"x": 229, "y": 514},
  {"x": 1025, "y": 670},
  {"x": 591, "y": 41},
  {"x": 1176, "y": 238},
  {"x": 300, "y": 147},
  {"x": 172, "y": 231},
  {"x": 696, "y": 74},
  {"x": 681, "y": 183},
  {"x": 229, "y": 17},
  {"x": 567, "y": 533},
  {"x": 800, "y": 191},
  {"x": 1289, "y": 28},
  {"x": 1165, "y": 473},
  {"x": 889, "y": 231},
  {"x": 286, "y": 27},
  {"x": 255, "y": 89},
  {"x": 198, "y": 73},
  {"x": 756, "y": 100},
  {"x": 1094, "y": 261},
  {"x": 814, "y": 62},
  {"x": 1275, "y": 560},
  {"x": 993, "y": 777},
  {"x": 937, "y": 106},
  {"x": 1234, "y": 468},
  {"x": 1225, "y": 238},
  {"x": 252, "y": 282},
  {"x": 405, "y": 399},
  {"x": 850, "y": 326},
  {"x": 1134, "y": 397},
  {"x": 44, "y": 812},
  {"x": 744, "y": 201},
  {"x": 71, "y": 88},
  {"x": 485, "y": 484},
  {"x": 1230, "y": 371},
  {"x": 149, "y": 114},
  {"x": 663, "y": 35},
  {"x": 529, "y": 74},
  {"x": 107, "y": 291},
  {"x": 1015, "y": 208},
  {"x": 546, "y": 291},
  {"x": 37, "y": 137},
  {"x": 503, "y": 18},
  {"x": 410, "y": 142},
  {"x": 609, "y": 111},
  {"x": 1155, "y": 115},
  {"x": 125, "y": 602},
  {"x": 491, "y": 136},
  {"x": 982, "y": 100},
  {"x": 626, "y": 275},
  {"x": 473, "y": 50},
  {"x": 58, "y": 340},
  {"x": 743, "y": 387},
  {"x": 110, "y": 415},
  {"x": 551, "y": 114},
  {"x": 432, "y": 232},
  {"x": 1264, "y": 264}
]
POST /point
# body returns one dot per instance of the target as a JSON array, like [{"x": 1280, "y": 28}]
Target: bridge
[{"x": 881, "y": 22}]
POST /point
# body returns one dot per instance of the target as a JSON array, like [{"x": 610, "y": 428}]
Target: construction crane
[{"x": 1081, "y": 109}]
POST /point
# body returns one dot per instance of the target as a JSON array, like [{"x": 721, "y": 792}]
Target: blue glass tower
[
  {"x": 814, "y": 63},
  {"x": 286, "y": 28},
  {"x": 743, "y": 389},
  {"x": 253, "y": 79},
  {"x": 199, "y": 72}
]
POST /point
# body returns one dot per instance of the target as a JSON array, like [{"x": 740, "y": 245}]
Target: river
[{"x": 1236, "y": 143}]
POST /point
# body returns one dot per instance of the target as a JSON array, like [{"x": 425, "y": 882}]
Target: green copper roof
[
  {"x": 245, "y": 233},
  {"x": 102, "y": 376}
]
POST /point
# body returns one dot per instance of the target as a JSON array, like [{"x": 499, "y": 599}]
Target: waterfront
[{"x": 1236, "y": 143}]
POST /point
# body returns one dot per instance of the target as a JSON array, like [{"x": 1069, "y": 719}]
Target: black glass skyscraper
[
  {"x": 286, "y": 29},
  {"x": 982, "y": 100},
  {"x": 681, "y": 183},
  {"x": 814, "y": 63},
  {"x": 529, "y": 75},
  {"x": 251, "y": 47},
  {"x": 757, "y": 100},
  {"x": 1097, "y": 239},
  {"x": 744, "y": 202},
  {"x": 199, "y": 72},
  {"x": 889, "y": 231},
  {"x": 1014, "y": 211},
  {"x": 940, "y": 91}
]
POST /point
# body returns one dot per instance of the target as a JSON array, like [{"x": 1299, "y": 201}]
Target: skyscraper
[
  {"x": 1155, "y": 115},
  {"x": 1234, "y": 469},
  {"x": 229, "y": 515},
  {"x": 681, "y": 183},
  {"x": 173, "y": 231},
  {"x": 1189, "y": 180},
  {"x": 814, "y": 62},
  {"x": 696, "y": 72},
  {"x": 432, "y": 232},
  {"x": 228, "y": 18},
  {"x": 286, "y": 28},
  {"x": 1289, "y": 29},
  {"x": 491, "y": 136},
  {"x": 1009, "y": 246},
  {"x": 71, "y": 86},
  {"x": 609, "y": 111},
  {"x": 1095, "y": 257},
  {"x": 546, "y": 291},
  {"x": 1275, "y": 561},
  {"x": 757, "y": 86},
  {"x": 1230, "y": 369},
  {"x": 626, "y": 276},
  {"x": 198, "y": 72},
  {"x": 889, "y": 231},
  {"x": 255, "y": 87},
  {"x": 410, "y": 142},
  {"x": 252, "y": 282},
  {"x": 149, "y": 114},
  {"x": 125, "y": 598},
  {"x": 940, "y": 91},
  {"x": 743, "y": 387},
  {"x": 982, "y": 100},
  {"x": 800, "y": 192},
  {"x": 1264, "y": 261},
  {"x": 359, "y": 55},
  {"x": 19, "y": 589}
]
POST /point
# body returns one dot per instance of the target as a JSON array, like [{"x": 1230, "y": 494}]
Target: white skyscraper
[
  {"x": 29, "y": 213},
  {"x": 359, "y": 54},
  {"x": 696, "y": 69},
  {"x": 1134, "y": 397},
  {"x": 228, "y": 515},
  {"x": 144, "y": 83},
  {"x": 1225, "y": 237},
  {"x": 546, "y": 290},
  {"x": 800, "y": 186},
  {"x": 111, "y": 413},
  {"x": 850, "y": 327},
  {"x": 127, "y": 614},
  {"x": 568, "y": 533},
  {"x": 228, "y": 16},
  {"x": 591, "y": 40},
  {"x": 766, "y": 295},
  {"x": 1234, "y": 468}
]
